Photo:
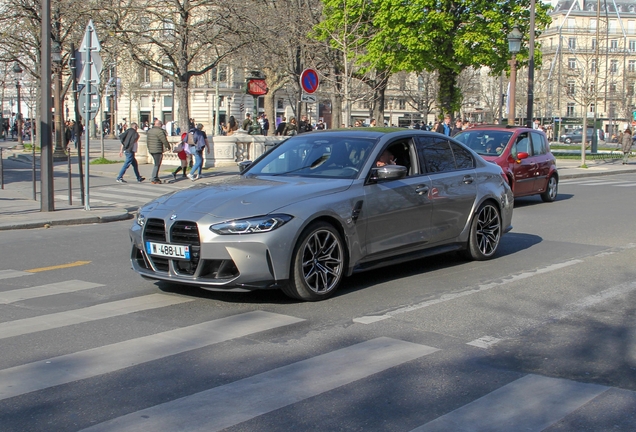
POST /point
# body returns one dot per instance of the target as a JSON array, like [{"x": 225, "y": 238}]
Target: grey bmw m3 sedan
[{"x": 321, "y": 206}]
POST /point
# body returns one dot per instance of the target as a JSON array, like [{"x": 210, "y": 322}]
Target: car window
[
  {"x": 401, "y": 154},
  {"x": 485, "y": 142},
  {"x": 463, "y": 158},
  {"x": 522, "y": 144},
  {"x": 435, "y": 155},
  {"x": 313, "y": 156},
  {"x": 539, "y": 145}
]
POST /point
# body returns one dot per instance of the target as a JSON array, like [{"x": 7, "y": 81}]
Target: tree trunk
[
  {"x": 182, "y": 93},
  {"x": 449, "y": 93}
]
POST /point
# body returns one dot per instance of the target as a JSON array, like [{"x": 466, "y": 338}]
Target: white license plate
[{"x": 168, "y": 250}]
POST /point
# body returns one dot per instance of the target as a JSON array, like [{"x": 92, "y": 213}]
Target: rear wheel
[
  {"x": 485, "y": 233},
  {"x": 568, "y": 140},
  {"x": 318, "y": 263},
  {"x": 551, "y": 190}
]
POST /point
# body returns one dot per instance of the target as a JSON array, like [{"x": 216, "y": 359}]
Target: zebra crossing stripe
[
  {"x": 64, "y": 369},
  {"x": 13, "y": 296},
  {"x": 9, "y": 274},
  {"x": 233, "y": 403},
  {"x": 531, "y": 404},
  {"x": 92, "y": 313},
  {"x": 130, "y": 192}
]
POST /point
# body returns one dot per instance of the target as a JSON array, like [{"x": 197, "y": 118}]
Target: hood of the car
[{"x": 237, "y": 197}]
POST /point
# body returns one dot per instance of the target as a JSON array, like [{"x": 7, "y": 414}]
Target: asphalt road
[{"x": 540, "y": 338}]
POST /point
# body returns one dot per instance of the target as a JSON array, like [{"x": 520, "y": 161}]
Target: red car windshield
[{"x": 485, "y": 142}]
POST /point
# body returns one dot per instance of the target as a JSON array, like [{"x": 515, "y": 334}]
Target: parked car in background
[
  {"x": 321, "y": 206},
  {"x": 523, "y": 154},
  {"x": 576, "y": 136}
]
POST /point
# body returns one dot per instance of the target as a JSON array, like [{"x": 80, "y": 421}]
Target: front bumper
[{"x": 216, "y": 262}]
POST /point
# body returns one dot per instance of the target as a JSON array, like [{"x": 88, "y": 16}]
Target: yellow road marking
[{"x": 56, "y": 267}]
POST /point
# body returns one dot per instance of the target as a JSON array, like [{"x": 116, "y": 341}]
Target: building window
[
  {"x": 632, "y": 45},
  {"x": 570, "y": 112},
  {"x": 592, "y": 88},
  {"x": 144, "y": 101},
  {"x": 612, "y": 88},
  {"x": 593, "y": 24},
  {"x": 167, "y": 101},
  {"x": 630, "y": 89},
  {"x": 550, "y": 87},
  {"x": 280, "y": 104},
  {"x": 145, "y": 74},
  {"x": 591, "y": 108},
  {"x": 401, "y": 104},
  {"x": 572, "y": 63},
  {"x": 572, "y": 43},
  {"x": 614, "y": 66},
  {"x": 571, "y": 88},
  {"x": 631, "y": 66},
  {"x": 594, "y": 43},
  {"x": 613, "y": 45}
]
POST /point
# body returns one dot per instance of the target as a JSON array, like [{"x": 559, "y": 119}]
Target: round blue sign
[{"x": 309, "y": 80}]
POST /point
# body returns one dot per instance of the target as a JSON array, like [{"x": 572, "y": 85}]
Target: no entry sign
[{"x": 309, "y": 80}]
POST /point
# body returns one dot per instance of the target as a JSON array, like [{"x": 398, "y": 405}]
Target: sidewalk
[{"x": 19, "y": 211}]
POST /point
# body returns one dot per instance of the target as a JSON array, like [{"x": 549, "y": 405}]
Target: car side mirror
[
  {"x": 517, "y": 159},
  {"x": 388, "y": 172},
  {"x": 243, "y": 165}
]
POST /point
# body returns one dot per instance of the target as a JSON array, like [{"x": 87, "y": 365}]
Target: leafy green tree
[{"x": 449, "y": 36}]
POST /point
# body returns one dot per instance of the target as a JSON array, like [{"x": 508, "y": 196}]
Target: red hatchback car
[{"x": 523, "y": 154}]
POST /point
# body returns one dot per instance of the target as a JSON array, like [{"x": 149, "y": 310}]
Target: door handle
[
  {"x": 421, "y": 189},
  {"x": 468, "y": 179}
]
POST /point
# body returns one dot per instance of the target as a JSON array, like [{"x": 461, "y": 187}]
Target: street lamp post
[
  {"x": 56, "y": 57},
  {"x": 17, "y": 70},
  {"x": 154, "y": 99},
  {"x": 514, "y": 46}
]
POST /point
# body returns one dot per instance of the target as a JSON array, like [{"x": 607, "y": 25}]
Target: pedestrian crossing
[
  {"x": 318, "y": 375},
  {"x": 126, "y": 195},
  {"x": 599, "y": 182}
]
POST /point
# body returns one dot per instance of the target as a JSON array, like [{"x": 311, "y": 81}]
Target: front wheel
[
  {"x": 485, "y": 233},
  {"x": 551, "y": 190},
  {"x": 317, "y": 263},
  {"x": 568, "y": 140}
]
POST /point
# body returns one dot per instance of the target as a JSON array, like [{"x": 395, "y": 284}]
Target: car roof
[
  {"x": 373, "y": 132},
  {"x": 499, "y": 127}
]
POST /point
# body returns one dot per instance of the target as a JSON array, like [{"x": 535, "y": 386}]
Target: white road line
[
  {"x": 230, "y": 404},
  {"x": 92, "y": 313},
  {"x": 484, "y": 342},
  {"x": 77, "y": 199},
  {"x": 45, "y": 290},
  {"x": 531, "y": 403},
  {"x": 626, "y": 185},
  {"x": 123, "y": 196},
  {"x": 97, "y": 361},
  {"x": 452, "y": 296},
  {"x": 603, "y": 183},
  {"x": 132, "y": 191},
  {"x": 9, "y": 274}
]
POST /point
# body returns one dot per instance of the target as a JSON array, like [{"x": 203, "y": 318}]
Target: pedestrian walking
[
  {"x": 291, "y": 128},
  {"x": 247, "y": 122},
  {"x": 281, "y": 126},
  {"x": 626, "y": 144},
  {"x": 129, "y": 140},
  {"x": 264, "y": 124},
  {"x": 157, "y": 144},
  {"x": 182, "y": 150},
  {"x": 200, "y": 144}
]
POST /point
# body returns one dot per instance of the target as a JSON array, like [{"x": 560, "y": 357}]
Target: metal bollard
[{"x": 1, "y": 171}]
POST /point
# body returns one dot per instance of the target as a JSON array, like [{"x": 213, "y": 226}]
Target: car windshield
[
  {"x": 485, "y": 142},
  {"x": 315, "y": 155}
]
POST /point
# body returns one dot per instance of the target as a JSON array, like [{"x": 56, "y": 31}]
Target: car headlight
[
  {"x": 253, "y": 225},
  {"x": 141, "y": 219}
]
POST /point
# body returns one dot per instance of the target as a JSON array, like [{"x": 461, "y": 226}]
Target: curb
[{"x": 82, "y": 220}]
